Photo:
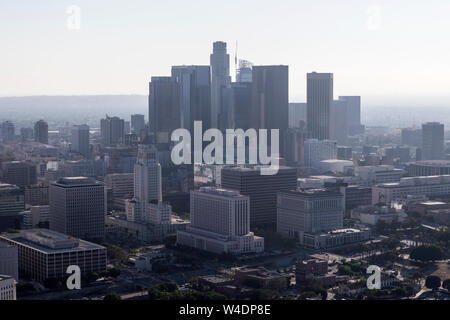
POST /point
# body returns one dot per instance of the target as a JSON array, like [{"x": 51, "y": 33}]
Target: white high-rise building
[
  {"x": 220, "y": 222},
  {"x": 147, "y": 184},
  {"x": 147, "y": 175},
  {"x": 220, "y": 77},
  {"x": 80, "y": 139}
]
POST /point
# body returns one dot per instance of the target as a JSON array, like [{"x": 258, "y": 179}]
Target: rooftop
[{"x": 49, "y": 241}]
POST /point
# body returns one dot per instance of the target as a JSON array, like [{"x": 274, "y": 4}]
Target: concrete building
[
  {"x": 9, "y": 260},
  {"x": 159, "y": 213},
  {"x": 122, "y": 184},
  {"x": 261, "y": 189},
  {"x": 431, "y": 186},
  {"x": 8, "y": 132},
  {"x": 112, "y": 130},
  {"x": 428, "y": 168},
  {"x": 336, "y": 166},
  {"x": 45, "y": 254},
  {"x": 19, "y": 173},
  {"x": 313, "y": 269},
  {"x": 7, "y": 288},
  {"x": 41, "y": 132},
  {"x": 80, "y": 139},
  {"x": 78, "y": 207},
  {"x": 370, "y": 215},
  {"x": 309, "y": 211},
  {"x": 145, "y": 232},
  {"x": 432, "y": 141},
  {"x": 220, "y": 223},
  {"x": 335, "y": 238},
  {"x": 344, "y": 153},
  {"x": 355, "y": 196},
  {"x": 11, "y": 204},
  {"x": 260, "y": 278},
  {"x": 220, "y": 77},
  {"x": 83, "y": 168},
  {"x": 319, "y": 103},
  {"x": 318, "y": 150},
  {"x": 36, "y": 195},
  {"x": 378, "y": 174}
]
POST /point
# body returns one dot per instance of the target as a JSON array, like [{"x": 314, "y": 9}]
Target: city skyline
[{"x": 365, "y": 35}]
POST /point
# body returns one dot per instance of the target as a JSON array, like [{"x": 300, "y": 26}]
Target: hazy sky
[{"x": 393, "y": 49}]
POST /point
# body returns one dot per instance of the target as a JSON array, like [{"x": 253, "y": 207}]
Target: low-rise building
[
  {"x": 335, "y": 238},
  {"x": 430, "y": 186},
  {"x": 260, "y": 278},
  {"x": 370, "y": 215},
  {"x": 45, "y": 254}
]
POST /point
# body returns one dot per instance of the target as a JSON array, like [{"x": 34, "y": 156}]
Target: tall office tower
[
  {"x": 244, "y": 72},
  {"x": 309, "y": 211},
  {"x": 41, "y": 132},
  {"x": 195, "y": 95},
  {"x": 261, "y": 189},
  {"x": 78, "y": 207},
  {"x": 432, "y": 141},
  {"x": 318, "y": 150},
  {"x": 270, "y": 94},
  {"x": 9, "y": 260},
  {"x": 339, "y": 122},
  {"x": 12, "y": 202},
  {"x": 80, "y": 139},
  {"x": 319, "y": 104},
  {"x": 137, "y": 124},
  {"x": 8, "y": 132},
  {"x": 235, "y": 106},
  {"x": 297, "y": 113},
  {"x": 20, "y": 173},
  {"x": 112, "y": 130},
  {"x": 353, "y": 114},
  {"x": 220, "y": 77},
  {"x": 147, "y": 175},
  {"x": 164, "y": 108},
  {"x": 220, "y": 222},
  {"x": 412, "y": 137}
]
